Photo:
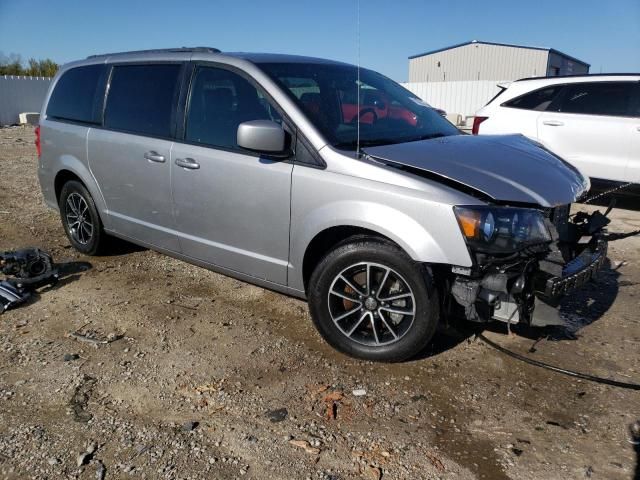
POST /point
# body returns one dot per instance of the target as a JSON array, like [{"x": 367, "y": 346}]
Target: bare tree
[{"x": 12, "y": 64}]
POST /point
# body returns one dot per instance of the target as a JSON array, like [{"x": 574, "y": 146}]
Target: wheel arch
[
  {"x": 62, "y": 177},
  {"x": 328, "y": 239},
  {"x": 73, "y": 169}
]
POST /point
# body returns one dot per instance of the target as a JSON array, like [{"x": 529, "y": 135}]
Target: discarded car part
[
  {"x": 11, "y": 296},
  {"x": 31, "y": 268},
  {"x": 564, "y": 371},
  {"x": 26, "y": 263}
]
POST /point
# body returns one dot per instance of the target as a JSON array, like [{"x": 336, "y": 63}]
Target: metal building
[{"x": 477, "y": 60}]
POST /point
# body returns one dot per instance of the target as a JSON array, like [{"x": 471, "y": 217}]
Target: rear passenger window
[
  {"x": 141, "y": 99},
  {"x": 78, "y": 95},
  {"x": 597, "y": 98},
  {"x": 538, "y": 100},
  {"x": 220, "y": 101}
]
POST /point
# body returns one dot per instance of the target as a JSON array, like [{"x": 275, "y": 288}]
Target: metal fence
[
  {"x": 463, "y": 97},
  {"x": 20, "y": 94},
  {"x": 26, "y": 94}
]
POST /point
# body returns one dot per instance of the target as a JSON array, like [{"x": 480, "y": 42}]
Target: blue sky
[{"x": 605, "y": 34}]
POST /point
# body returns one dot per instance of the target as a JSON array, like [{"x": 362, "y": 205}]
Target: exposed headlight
[{"x": 501, "y": 229}]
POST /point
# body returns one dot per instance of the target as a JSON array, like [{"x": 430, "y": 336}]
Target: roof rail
[
  {"x": 161, "y": 50},
  {"x": 586, "y": 75}
]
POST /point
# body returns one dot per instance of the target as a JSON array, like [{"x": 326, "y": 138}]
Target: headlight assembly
[{"x": 501, "y": 229}]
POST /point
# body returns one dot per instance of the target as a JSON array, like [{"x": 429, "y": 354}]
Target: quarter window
[
  {"x": 538, "y": 100},
  {"x": 220, "y": 101},
  {"x": 77, "y": 95},
  {"x": 141, "y": 99},
  {"x": 597, "y": 98}
]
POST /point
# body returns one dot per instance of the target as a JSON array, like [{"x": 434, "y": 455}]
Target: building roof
[{"x": 551, "y": 50}]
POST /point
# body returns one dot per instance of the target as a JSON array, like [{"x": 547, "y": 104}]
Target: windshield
[{"x": 328, "y": 95}]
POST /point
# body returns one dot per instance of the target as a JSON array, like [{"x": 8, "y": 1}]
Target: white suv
[{"x": 592, "y": 121}]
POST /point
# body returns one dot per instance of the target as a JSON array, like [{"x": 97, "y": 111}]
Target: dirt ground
[{"x": 215, "y": 378}]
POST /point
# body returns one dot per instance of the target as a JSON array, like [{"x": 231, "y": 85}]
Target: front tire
[
  {"x": 370, "y": 300},
  {"x": 80, "y": 219}
]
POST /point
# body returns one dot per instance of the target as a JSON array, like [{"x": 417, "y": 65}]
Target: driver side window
[{"x": 221, "y": 100}]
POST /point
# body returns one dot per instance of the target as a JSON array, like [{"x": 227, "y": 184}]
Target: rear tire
[
  {"x": 81, "y": 220},
  {"x": 370, "y": 300}
]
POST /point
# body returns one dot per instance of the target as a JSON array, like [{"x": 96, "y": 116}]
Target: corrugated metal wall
[
  {"x": 561, "y": 65},
  {"x": 465, "y": 98},
  {"x": 21, "y": 94},
  {"x": 478, "y": 61}
]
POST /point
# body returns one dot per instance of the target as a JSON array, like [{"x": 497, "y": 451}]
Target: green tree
[{"x": 41, "y": 68}]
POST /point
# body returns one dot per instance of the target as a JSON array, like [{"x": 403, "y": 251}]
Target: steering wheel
[{"x": 365, "y": 111}]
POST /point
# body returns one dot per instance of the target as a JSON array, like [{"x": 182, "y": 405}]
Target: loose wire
[{"x": 564, "y": 371}]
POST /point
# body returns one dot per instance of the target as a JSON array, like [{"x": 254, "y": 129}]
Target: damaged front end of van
[
  {"x": 527, "y": 250},
  {"x": 525, "y": 261}
]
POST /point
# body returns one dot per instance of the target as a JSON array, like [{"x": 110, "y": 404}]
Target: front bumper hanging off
[
  {"x": 576, "y": 273},
  {"x": 530, "y": 290}
]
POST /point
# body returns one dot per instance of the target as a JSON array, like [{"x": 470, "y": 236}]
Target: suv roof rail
[
  {"x": 161, "y": 50},
  {"x": 585, "y": 75}
]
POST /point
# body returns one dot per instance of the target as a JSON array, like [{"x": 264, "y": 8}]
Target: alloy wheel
[
  {"x": 78, "y": 218},
  {"x": 371, "y": 304}
]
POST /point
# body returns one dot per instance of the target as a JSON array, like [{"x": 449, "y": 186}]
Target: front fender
[{"x": 439, "y": 244}]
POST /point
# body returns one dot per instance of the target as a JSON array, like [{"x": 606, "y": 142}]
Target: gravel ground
[{"x": 209, "y": 377}]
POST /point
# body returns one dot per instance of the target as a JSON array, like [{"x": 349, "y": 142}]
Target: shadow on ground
[
  {"x": 118, "y": 247},
  {"x": 446, "y": 338},
  {"x": 68, "y": 272}
]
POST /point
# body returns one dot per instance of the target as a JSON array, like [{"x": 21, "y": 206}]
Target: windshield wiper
[
  {"x": 388, "y": 141},
  {"x": 428, "y": 136},
  {"x": 364, "y": 143}
]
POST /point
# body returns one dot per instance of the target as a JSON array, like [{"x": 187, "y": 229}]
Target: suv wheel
[
  {"x": 80, "y": 219},
  {"x": 370, "y": 300}
]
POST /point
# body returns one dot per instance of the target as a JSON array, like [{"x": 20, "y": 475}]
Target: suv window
[
  {"x": 538, "y": 100},
  {"x": 77, "y": 95},
  {"x": 597, "y": 98},
  {"x": 141, "y": 99},
  {"x": 220, "y": 101}
]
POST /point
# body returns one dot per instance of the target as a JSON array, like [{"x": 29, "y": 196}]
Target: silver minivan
[{"x": 320, "y": 180}]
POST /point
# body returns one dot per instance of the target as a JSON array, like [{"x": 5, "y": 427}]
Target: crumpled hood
[{"x": 506, "y": 168}]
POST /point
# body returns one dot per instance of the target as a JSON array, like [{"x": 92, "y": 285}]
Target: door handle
[
  {"x": 188, "y": 163},
  {"x": 154, "y": 157},
  {"x": 638, "y": 128},
  {"x": 553, "y": 123}
]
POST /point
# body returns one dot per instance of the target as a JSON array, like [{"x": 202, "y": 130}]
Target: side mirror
[{"x": 262, "y": 136}]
